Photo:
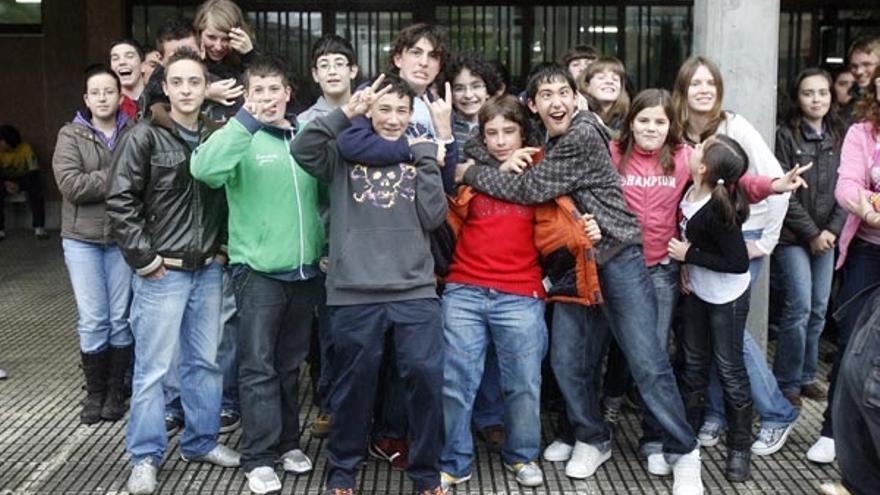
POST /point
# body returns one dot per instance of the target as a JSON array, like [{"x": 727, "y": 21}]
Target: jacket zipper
[{"x": 302, "y": 245}]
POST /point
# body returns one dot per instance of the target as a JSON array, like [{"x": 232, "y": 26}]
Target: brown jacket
[
  {"x": 81, "y": 164},
  {"x": 567, "y": 254}
]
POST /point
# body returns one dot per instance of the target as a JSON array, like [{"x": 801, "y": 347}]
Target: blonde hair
[{"x": 222, "y": 14}]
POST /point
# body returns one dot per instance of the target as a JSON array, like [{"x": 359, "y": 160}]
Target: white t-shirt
[{"x": 709, "y": 285}]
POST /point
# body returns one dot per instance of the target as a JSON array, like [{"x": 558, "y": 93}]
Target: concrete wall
[
  {"x": 742, "y": 37},
  {"x": 41, "y": 86}
]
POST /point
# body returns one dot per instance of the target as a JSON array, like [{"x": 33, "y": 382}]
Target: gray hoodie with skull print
[{"x": 380, "y": 218}]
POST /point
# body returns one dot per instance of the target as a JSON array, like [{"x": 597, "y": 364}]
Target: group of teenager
[{"x": 413, "y": 231}]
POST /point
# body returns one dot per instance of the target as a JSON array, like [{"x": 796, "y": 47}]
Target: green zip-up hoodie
[{"x": 273, "y": 203}]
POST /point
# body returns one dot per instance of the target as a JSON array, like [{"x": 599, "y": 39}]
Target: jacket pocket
[
  {"x": 384, "y": 260},
  {"x": 168, "y": 169},
  {"x": 871, "y": 391}
]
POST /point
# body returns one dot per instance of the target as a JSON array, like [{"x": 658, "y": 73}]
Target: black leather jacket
[
  {"x": 158, "y": 212},
  {"x": 812, "y": 210}
]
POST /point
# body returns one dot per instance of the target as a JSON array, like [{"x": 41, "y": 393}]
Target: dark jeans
[
  {"x": 359, "y": 333},
  {"x": 857, "y": 405},
  {"x": 389, "y": 414},
  {"x": 274, "y": 318},
  {"x": 32, "y": 184},
  {"x": 862, "y": 269},
  {"x": 618, "y": 380},
  {"x": 578, "y": 343},
  {"x": 714, "y": 332}
]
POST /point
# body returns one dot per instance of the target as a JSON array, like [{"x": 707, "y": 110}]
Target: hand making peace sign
[{"x": 361, "y": 101}]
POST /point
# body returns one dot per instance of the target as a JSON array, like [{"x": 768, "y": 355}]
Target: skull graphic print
[{"x": 382, "y": 187}]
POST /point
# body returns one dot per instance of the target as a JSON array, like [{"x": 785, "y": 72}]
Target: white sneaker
[
  {"x": 558, "y": 451},
  {"x": 687, "y": 474},
  {"x": 823, "y": 451},
  {"x": 585, "y": 460},
  {"x": 262, "y": 480},
  {"x": 770, "y": 440},
  {"x": 657, "y": 465},
  {"x": 142, "y": 480},
  {"x": 526, "y": 473},
  {"x": 296, "y": 462}
]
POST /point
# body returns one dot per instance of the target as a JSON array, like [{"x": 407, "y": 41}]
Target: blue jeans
[
  {"x": 101, "y": 283},
  {"x": 489, "y": 404},
  {"x": 807, "y": 286},
  {"x": 579, "y": 341},
  {"x": 275, "y": 322},
  {"x": 179, "y": 311},
  {"x": 773, "y": 408},
  {"x": 226, "y": 354},
  {"x": 472, "y": 318},
  {"x": 359, "y": 332},
  {"x": 665, "y": 279}
]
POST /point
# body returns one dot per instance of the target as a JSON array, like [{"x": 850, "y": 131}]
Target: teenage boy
[
  {"x": 864, "y": 57},
  {"x": 474, "y": 81},
  {"x": 334, "y": 69},
  {"x": 577, "y": 58},
  {"x": 578, "y": 163},
  {"x": 126, "y": 59},
  {"x": 381, "y": 275},
  {"x": 169, "y": 229},
  {"x": 275, "y": 241}
]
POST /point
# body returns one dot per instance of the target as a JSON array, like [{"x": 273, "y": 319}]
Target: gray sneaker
[
  {"x": 709, "y": 434},
  {"x": 220, "y": 455},
  {"x": 526, "y": 473},
  {"x": 296, "y": 462},
  {"x": 142, "y": 480},
  {"x": 770, "y": 440}
]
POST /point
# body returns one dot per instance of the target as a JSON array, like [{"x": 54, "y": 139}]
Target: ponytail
[{"x": 726, "y": 162}]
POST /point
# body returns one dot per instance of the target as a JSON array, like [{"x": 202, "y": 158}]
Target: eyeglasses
[
  {"x": 325, "y": 66},
  {"x": 461, "y": 89}
]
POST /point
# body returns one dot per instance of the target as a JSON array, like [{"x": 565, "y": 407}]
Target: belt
[{"x": 179, "y": 264}]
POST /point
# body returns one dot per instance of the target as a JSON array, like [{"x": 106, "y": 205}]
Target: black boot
[
  {"x": 94, "y": 366},
  {"x": 114, "y": 405},
  {"x": 739, "y": 442}
]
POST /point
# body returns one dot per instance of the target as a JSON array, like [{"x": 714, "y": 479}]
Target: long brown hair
[
  {"x": 620, "y": 106},
  {"x": 647, "y": 99},
  {"x": 680, "y": 93},
  {"x": 868, "y": 108}
]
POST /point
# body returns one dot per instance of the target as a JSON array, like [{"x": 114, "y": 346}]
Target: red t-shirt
[
  {"x": 129, "y": 107},
  {"x": 496, "y": 248}
]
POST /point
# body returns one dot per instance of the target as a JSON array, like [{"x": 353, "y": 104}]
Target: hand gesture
[
  {"x": 519, "y": 160},
  {"x": 441, "y": 113},
  {"x": 240, "y": 41},
  {"x": 678, "y": 249},
  {"x": 225, "y": 92},
  {"x": 591, "y": 227},
  {"x": 792, "y": 180},
  {"x": 255, "y": 107},
  {"x": 361, "y": 101},
  {"x": 753, "y": 250}
]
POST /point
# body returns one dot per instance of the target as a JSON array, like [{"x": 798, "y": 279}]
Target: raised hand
[
  {"x": 240, "y": 41},
  {"x": 255, "y": 107},
  {"x": 360, "y": 102},
  {"x": 225, "y": 92},
  {"x": 441, "y": 113},
  {"x": 792, "y": 180}
]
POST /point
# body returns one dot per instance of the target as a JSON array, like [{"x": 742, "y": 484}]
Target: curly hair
[
  {"x": 478, "y": 65},
  {"x": 868, "y": 108}
]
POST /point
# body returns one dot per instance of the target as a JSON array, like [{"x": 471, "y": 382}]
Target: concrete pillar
[{"x": 742, "y": 37}]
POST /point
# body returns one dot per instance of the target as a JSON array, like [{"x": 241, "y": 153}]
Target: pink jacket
[
  {"x": 654, "y": 196},
  {"x": 859, "y": 156}
]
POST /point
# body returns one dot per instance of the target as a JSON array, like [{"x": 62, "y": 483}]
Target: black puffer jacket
[
  {"x": 157, "y": 210},
  {"x": 814, "y": 209}
]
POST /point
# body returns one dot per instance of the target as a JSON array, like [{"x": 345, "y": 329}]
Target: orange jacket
[{"x": 567, "y": 254}]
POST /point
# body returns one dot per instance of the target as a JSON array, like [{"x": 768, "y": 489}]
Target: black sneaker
[
  {"x": 173, "y": 424},
  {"x": 229, "y": 421}
]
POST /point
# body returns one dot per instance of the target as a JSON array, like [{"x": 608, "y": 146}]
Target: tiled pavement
[{"x": 44, "y": 449}]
